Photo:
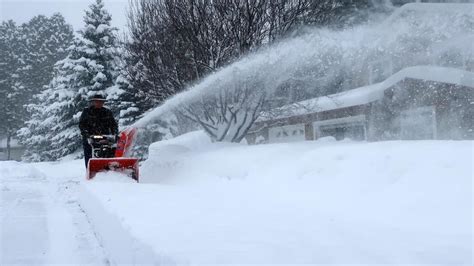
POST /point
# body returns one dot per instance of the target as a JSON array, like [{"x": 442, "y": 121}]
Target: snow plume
[{"x": 323, "y": 61}]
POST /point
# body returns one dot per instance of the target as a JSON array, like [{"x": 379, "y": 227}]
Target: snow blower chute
[{"x": 111, "y": 155}]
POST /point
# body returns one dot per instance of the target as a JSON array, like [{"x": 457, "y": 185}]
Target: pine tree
[
  {"x": 90, "y": 68},
  {"x": 129, "y": 111},
  {"x": 125, "y": 98},
  {"x": 12, "y": 93},
  {"x": 101, "y": 46},
  {"x": 46, "y": 41},
  {"x": 28, "y": 53}
]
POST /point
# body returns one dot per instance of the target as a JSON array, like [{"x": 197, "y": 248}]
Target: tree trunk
[{"x": 9, "y": 137}]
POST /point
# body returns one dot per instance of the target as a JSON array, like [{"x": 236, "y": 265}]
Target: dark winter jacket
[{"x": 97, "y": 121}]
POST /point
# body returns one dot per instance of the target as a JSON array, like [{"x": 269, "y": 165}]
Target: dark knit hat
[{"x": 97, "y": 97}]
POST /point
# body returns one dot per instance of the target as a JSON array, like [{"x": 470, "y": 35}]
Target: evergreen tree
[
  {"x": 27, "y": 56},
  {"x": 12, "y": 93},
  {"x": 89, "y": 68},
  {"x": 46, "y": 41},
  {"x": 129, "y": 111},
  {"x": 46, "y": 134},
  {"x": 124, "y": 97},
  {"x": 100, "y": 45}
]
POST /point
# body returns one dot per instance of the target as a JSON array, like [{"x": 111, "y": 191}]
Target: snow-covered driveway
[{"x": 41, "y": 222}]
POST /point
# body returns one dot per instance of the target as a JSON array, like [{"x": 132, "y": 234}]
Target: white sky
[{"x": 73, "y": 10}]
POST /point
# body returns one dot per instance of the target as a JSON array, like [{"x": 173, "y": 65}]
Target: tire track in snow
[
  {"x": 89, "y": 247},
  {"x": 41, "y": 222}
]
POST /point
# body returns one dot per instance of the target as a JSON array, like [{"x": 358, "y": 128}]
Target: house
[
  {"x": 16, "y": 150},
  {"x": 420, "y": 102},
  {"x": 420, "y": 90}
]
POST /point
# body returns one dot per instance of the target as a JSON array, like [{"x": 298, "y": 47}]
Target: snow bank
[
  {"x": 121, "y": 247},
  {"x": 12, "y": 170},
  {"x": 166, "y": 156},
  {"x": 309, "y": 202},
  {"x": 195, "y": 140}
]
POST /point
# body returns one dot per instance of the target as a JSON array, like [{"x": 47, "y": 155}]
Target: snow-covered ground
[
  {"x": 321, "y": 202},
  {"x": 41, "y": 222}
]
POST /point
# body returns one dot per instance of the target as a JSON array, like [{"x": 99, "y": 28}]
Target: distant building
[
  {"x": 16, "y": 150},
  {"x": 422, "y": 102}
]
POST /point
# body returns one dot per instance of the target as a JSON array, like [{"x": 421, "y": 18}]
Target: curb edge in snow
[{"x": 119, "y": 245}]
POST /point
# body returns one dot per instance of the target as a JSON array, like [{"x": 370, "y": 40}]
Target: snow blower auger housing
[{"x": 111, "y": 155}]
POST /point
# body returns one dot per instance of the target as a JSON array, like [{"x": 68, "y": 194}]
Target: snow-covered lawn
[
  {"x": 321, "y": 202},
  {"x": 308, "y": 202}
]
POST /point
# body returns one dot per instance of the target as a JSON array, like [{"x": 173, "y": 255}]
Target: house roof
[
  {"x": 416, "y": 9},
  {"x": 371, "y": 93}
]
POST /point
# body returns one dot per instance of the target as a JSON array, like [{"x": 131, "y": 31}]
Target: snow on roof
[
  {"x": 441, "y": 8},
  {"x": 371, "y": 93}
]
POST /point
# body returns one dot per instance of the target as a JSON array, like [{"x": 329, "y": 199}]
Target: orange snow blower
[{"x": 109, "y": 155}]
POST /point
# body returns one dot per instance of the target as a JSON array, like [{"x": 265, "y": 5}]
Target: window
[
  {"x": 344, "y": 131},
  {"x": 351, "y": 127},
  {"x": 288, "y": 133}
]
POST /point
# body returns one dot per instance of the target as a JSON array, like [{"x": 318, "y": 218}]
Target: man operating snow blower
[
  {"x": 104, "y": 149},
  {"x": 96, "y": 120}
]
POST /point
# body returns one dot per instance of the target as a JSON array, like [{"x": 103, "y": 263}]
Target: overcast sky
[{"x": 73, "y": 10}]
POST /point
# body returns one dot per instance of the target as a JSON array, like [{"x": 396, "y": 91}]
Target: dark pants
[{"x": 87, "y": 150}]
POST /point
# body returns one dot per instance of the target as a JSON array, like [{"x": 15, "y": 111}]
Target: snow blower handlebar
[
  {"x": 95, "y": 139},
  {"x": 103, "y": 146}
]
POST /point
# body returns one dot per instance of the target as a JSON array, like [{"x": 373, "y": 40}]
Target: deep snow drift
[{"x": 307, "y": 202}]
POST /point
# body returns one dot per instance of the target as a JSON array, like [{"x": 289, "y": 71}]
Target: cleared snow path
[{"x": 41, "y": 221}]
